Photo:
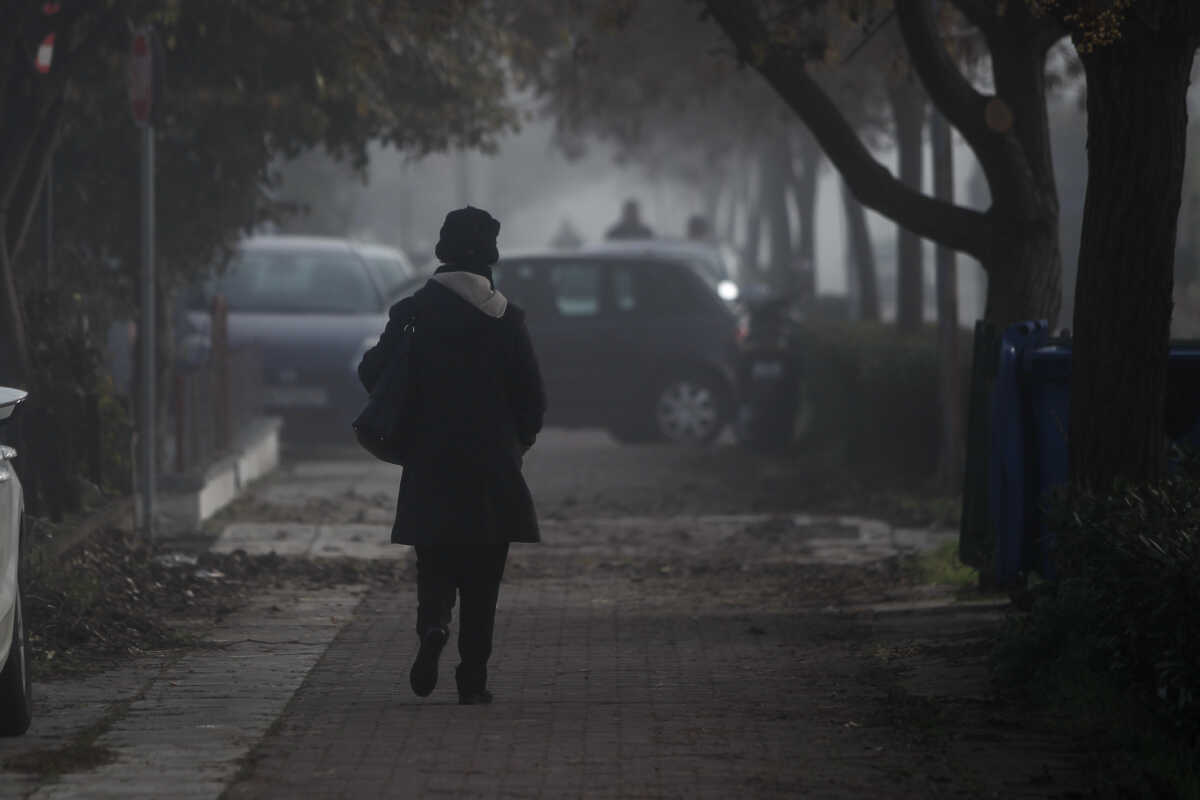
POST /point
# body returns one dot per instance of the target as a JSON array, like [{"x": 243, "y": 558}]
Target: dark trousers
[{"x": 474, "y": 573}]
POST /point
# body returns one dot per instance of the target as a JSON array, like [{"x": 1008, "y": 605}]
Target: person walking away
[
  {"x": 478, "y": 402},
  {"x": 630, "y": 225}
]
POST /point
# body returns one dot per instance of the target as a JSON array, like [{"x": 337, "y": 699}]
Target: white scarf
[{"x": 476, "y": 290}]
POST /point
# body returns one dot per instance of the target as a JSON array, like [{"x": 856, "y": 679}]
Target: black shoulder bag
[{"x": 384, "y": 426}]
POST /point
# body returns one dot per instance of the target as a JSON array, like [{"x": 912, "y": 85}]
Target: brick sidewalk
[{"x": 602, "y": 693}]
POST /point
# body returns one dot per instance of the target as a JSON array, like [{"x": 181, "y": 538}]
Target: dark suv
[{"x": 640, "y": 345}]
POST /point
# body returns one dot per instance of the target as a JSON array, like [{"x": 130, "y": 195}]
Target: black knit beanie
[{"x": 468, "y": 240}]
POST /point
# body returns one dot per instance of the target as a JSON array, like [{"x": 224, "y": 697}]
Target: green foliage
[
  {"x": 76, "y": 432},
  {"x": 1117, "y": 637},
  {"x": 942, "y": 567},
  {"x": 874, "y": 394},
  {"x": 1135, "y": 554},
  {"x": 653, "y": 79},
  {"x": 247, "y": 84}
]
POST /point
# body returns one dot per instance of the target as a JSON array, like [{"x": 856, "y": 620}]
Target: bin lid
[
  {"x": 1052, "y": 358},
  {"x": 1184, "y": 355},
  {"x": 1050, "y": 363}
]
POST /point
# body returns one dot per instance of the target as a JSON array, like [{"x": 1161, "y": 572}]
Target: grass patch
[{"x": 942, "y": 567}]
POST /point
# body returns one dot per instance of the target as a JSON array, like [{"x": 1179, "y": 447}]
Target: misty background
[{"x": 536, "y": 189}]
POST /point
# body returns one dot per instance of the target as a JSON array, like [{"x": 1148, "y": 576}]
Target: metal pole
[
  {"x": 48, "y": 219},
  {"x": 149, "y": 373}
]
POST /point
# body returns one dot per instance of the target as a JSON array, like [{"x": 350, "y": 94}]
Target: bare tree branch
[
  {"x": 872, "y": 183},
  {"x": 1003, "y": 159},
  {"x": 949, "y": 89}
]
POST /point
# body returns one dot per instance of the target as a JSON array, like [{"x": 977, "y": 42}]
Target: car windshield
[
  {"x": 393, "y": 273},
  {"x": 294, "y": 281}
]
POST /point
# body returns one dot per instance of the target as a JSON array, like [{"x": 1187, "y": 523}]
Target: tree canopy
[{"x": 247, "y": 83}]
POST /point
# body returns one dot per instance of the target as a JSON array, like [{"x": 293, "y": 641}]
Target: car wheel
[
  {"x": 16, "y": 684},
  {"x": 690, "y": 409}
]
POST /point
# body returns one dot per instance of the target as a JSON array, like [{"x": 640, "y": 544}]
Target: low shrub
[
  {"x": 873, "y": 393},
  {"x": 1115, "y": 641},
  {"x": 1135, "y": 554},
  {"x": 73, "y": 433}
]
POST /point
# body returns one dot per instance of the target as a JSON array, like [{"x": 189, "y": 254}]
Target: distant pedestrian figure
[
  {"x": 566, "y": 238},
  {"x": 478, "y": 403},
  {"x": 630, "y": 225},
  {"x": 699, "y": 229}
]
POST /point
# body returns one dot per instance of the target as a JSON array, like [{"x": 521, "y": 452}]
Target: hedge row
[
  {"x": 872, "y": 394},
  {"x": 1127, "y": 601}
]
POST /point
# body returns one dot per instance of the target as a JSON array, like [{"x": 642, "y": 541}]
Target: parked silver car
[
  {"x": 16, "y": 707},
  {"x": 312, "y": 306}
]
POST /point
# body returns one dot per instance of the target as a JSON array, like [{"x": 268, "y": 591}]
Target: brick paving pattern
[{"x": 602, "y": 695}]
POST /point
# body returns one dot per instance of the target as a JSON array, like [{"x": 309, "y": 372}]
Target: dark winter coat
[{"x": 478, "y": 407}]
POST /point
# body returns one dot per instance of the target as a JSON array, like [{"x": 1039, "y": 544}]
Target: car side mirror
[{"x": 9, "y": 400}]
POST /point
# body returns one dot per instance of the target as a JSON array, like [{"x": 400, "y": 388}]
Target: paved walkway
[
  {"x": 611, "y": 689},
  {"x": 594, "y": 699},
  {"x": 656, "y": 645},
  {"x": 177, "y": 726}
]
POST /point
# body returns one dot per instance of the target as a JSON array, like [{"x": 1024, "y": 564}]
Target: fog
[{"x": 535, "y": 190}]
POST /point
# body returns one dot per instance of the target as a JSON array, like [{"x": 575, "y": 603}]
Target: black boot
[
  {"x": 424, "y": 674},
  {"x": 472, "y": 685},
  {"x": 478, "y": 698}
]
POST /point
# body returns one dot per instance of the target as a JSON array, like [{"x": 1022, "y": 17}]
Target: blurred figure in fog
[
  {"x": 567, "y": 238},
  {"x": 699, "y": 229},
  {"x": 479, "y": 407},
  {"x": 630, "y": 225}
]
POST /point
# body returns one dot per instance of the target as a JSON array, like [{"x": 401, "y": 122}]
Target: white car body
[{"x": 12, "y": 506}]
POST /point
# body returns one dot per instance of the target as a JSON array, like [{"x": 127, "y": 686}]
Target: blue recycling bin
[
  {"x": 1031, "y": 402},
  {"x": 1012, "y": 484},
  {"x": 1047, "y": 380}
]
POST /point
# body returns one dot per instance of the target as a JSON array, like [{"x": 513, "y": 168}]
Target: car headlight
[{"x": 728, "y": 290}]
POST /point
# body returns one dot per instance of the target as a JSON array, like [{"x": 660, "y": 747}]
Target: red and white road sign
[{"x": 45, "y": 54}]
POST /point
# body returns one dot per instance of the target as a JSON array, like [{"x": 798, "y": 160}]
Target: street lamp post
[{"x": 142, "y": 79}]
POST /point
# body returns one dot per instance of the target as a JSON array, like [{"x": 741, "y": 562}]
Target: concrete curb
[
  {"x": 946, "y": 605},
  {"x": 187, "y": 501}
]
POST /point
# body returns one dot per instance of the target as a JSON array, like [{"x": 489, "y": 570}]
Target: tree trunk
[
  {"x": 862, "y": 256},
  {"x": 754, "y": 223},
  {"x": 712, "y": 199},
  {"x": 908, "y": 110},
  {"x": 804, "y": 190},
  {"x": 950, "y": 461},
  {"x": 1023, "y": 280},
  {"x": 775, "y": 177},
  {"x": 1137, "y": 135},
  {"x": 735, "y": 201}
]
